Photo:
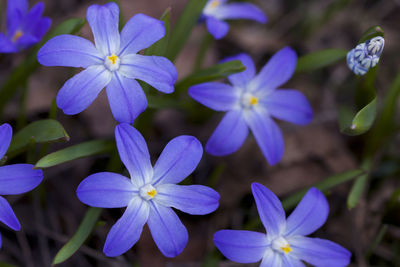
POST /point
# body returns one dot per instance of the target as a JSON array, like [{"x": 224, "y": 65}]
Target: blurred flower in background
[
  {"x": 24, "y": 27},
  {"x": 217, "y": 11}
]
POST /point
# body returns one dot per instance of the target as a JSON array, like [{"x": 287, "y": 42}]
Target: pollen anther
[
  {"x": 18, "y": 34},
  {"x": 214, "y": 3},
  {"x": 253, "y": 100},
  {"x": 113, "y": 58},
  {"x": 286, "y": 249},
  {"x": 152, "y": 193}
]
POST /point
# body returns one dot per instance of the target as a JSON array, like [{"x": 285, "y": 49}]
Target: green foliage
[
  {"x": 42, "y": 131},
  {"x": 371, "y": 33},
  {"x": 160, "y": 47},
  {"x": 77, "y": 240},
  {"x": 81, "y": 150},
  {"x": 320, "y": 59},
  {"x": 186, "y": 22}
]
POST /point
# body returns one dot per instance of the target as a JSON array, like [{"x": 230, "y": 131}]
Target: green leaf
[
  {"x": 162, "y": 102},
  {"x": 20, "y": 74},
  {"x": 215, "y": 72},
  {"x": 183, "y": 28},
  {"x": 371, "y": 33},
  {"x": 160, "y": 47},
  {"x": 357, "y": 191},
  {"x": 320, "y": 59},
  {"x": 75, "y": 152},
  {"x": 77, "y": 240},
  {"x": 42, "y": 131},
  {"x": 326, "y": 184}
]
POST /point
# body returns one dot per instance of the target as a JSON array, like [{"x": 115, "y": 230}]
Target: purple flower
[
  {"x": 14, "y": 179},
  {"x": 24, "y": 27},
  {"x": 285, "y": 243},
  {"x": 150, "y": 193},
  {"x": 251, "y": 102},
  {"x": 216, "y": 11},
  {"x": 113, "y": 63}
]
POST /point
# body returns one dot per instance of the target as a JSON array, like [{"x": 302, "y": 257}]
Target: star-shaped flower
[
  {"x": 216, "y": 11},
  {"x": 14, "y": 179},
  {"x": 24, "y": 27},
  {"x": 113, "y": 63},
  {"x": 251, "y": 102},
  {"x": 150, "y": 193},
  {"x": 285, "y": 244}
]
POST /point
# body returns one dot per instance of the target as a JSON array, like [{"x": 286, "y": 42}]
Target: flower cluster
[
  {"x": 251, "y": 102},
  {"x": 24, "y": 27},
  {"x": 365, "y": 55},
  {"x": 14, "y": 179}
]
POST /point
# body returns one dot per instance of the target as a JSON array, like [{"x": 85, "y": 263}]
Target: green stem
[{"x": 201, "y": 54}]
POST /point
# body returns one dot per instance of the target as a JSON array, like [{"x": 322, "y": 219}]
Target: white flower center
[
  {"x": 112, "y": 62},
  {"x": 281, "y": 245},
  {"x": 17, "y": 35},
  {"x": 147, "y": 192},
  {"x": 248, "y": 100},
  {"x": 211, "y": 6}
]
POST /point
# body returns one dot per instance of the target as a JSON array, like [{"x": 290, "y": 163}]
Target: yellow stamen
[
  {"x": 286, "y": 249},
  {"x": 152, "y": 193},
  {"x": 253, "y": 100},
  {"x": 113, "y": 58},
  {"x": 18, "y": 34},
  {"x": 214, "y": 3}
]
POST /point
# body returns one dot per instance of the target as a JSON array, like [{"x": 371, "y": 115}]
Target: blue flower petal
[
  {"x": 134, "y": 154},
  {"x": 272, "y": 259},
  {"x": 127, "y": 230},
  {"x": 167, "y": 230},
  {"x": 215, "y": 95},
  {"x": 82, "y": 89},
  {"x": 42, "y": 27},
  {"x": 289, "y": 105},
  {"x": 241, "y": 246},
  {"x": 276, "y": 72},
  {"x": 267, "y": 133},
  {"x": 104, "y": 23},
  {"x": 319, "y": 252},
  {"x": 5, "y": 138},
  {"x": 16, "y": 10},
  {"x": 26, "y": 41},
  {"x": 192, "y": 199},
  {"x": 289, "y": 261},
  {"x": 70, "y": 51},
  {"x": 241, "y": 79},
  {"x": 6, "y": 46},
  {"x": 270, "y": 210},
  {"x": 140, "y": 32},
  {"x": 309, "y": 215},
  {"x": 178, "y": 160},
  {"x": 32, "y": 19},
  {"x": 7, "y": 215},
  {"x": 106, "y": 190},
  {"x": 229, "y": 135},
  {"x": 216, "y": 27},
  {"x": 159, "y": 72},
  {"x": 241, "y": 11},
  {"x": 19, "y": 178},
  {"x": 126, "y": 98}
]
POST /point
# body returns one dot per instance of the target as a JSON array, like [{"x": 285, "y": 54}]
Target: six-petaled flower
[
  {"x": 14, "y": 179},
  {"x": 216, "y": 11},
  {"x": 24, "y": 27},
  {"x": 285, "y": 243},
  {"x": 251, "y": 102},
  {"x": 151, "y": 193},
  {"x": 113, "y": 63}
]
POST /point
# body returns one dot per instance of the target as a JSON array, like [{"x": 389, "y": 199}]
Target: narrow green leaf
[
  {"x": 160, "y": 47},
  {"x": 77, "y": 240},
  {"x": 326, "y": 184},
  {"x": 320, "y": 59},
  {"x": 357, "y": 191},
  {"x": 215, "y": 72},
  {"x": 21, "y": 73},
  {"x": 161, "y": 102},
  {"x": 361, "y": 122},
  {"x": 371, "y": 33},
  {"x": 181, "y": 31},
  {"x": 42, "y": 131},
  {"x": 82, "y": 150},
  {"x": 4, "y": 264}
]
